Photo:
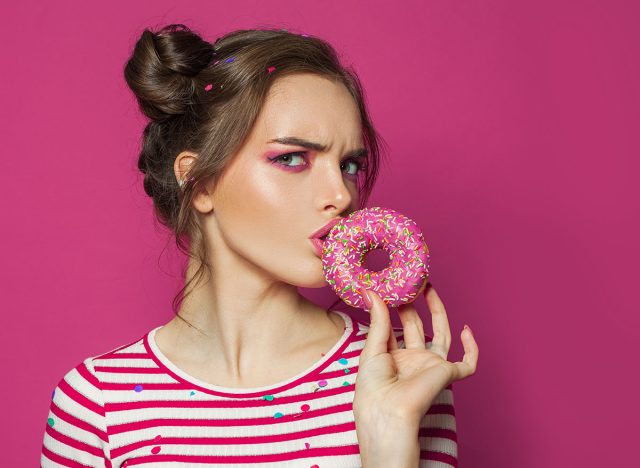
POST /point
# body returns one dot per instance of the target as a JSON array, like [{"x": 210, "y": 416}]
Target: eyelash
[{"x": 361, "y": 166}]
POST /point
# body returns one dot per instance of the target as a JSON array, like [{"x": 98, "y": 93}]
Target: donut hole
[{"x": 376, "y": 260}]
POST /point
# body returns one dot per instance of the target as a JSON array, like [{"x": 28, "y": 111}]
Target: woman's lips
[{"x": 317, "y": 246}]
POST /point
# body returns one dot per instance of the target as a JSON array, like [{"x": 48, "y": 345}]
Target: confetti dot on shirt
[
  {"x": 315, "y": 466},
  {"x": 51, "y": 422},
  {"x": 305, "y": 407},
  {"x": 346, "y": 371},
  {"x": 306, "y": 445},
  {"x": 345, "y": 384},
  {"x": 322, "y": 383},
  {"x": 155, "y": 449},
  {"x": 53, "y": 393},
  {"x": 268, "y": 397},
  {"x": 138, "y": 388},
  {"x": 230, "y": 59},
  {"x": 192, "y": 393},
  {"x": 278, "y": 415},
  {"x": 157, "y": 438},
  {"x": 343, "y": 361}
]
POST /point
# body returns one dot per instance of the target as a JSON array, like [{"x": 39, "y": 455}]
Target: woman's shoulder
[{"x": 85, "y": 372}]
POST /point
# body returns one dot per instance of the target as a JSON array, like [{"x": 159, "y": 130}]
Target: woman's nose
[{"x": 331, "y": 190}]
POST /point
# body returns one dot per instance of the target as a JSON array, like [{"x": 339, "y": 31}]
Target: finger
[
  {"x": 413, "y": 329},
  {"x": 392, "y": 342},
  {"x": 377, "y": 339},
  {"x": 439, "y": 321},
  {"x": 469, "y": 362}
]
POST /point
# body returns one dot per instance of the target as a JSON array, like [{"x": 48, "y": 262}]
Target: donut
[{"x": 345, "y": 247}]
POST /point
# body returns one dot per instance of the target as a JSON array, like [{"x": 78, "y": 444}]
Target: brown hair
[{"x": 169, "y": 71}]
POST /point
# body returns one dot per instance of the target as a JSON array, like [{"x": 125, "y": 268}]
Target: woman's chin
[{"x": 314, "y": 281}]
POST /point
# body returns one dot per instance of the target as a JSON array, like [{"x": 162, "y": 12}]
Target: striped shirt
[{"x": 132, "y": 406}]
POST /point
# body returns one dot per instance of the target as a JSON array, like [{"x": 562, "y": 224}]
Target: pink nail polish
[{"x": 367, "y": 299}]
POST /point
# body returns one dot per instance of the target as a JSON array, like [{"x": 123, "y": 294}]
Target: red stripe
[
  {"x": 148, "y": 386},
  {"x": 124, "y": 356},
  {"x": 438, "y": 432},
  {"x": 351, "y": 354},
  {"x": 439, "y": 456},
  {"x": 127, "y": 370},
  {"x": 76, "y": 444},
  {"x": 235, "y": 404},
  {"x": 227, "y": 441},
  {"x": 62, "y": 460},
  {"x": 442, "y": 409},
  {"x": 248, "y": 459},
  {"x": 114, "y": 351}
]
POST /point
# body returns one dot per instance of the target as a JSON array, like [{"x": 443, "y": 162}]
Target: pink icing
[{"x": 362, "y": 231}]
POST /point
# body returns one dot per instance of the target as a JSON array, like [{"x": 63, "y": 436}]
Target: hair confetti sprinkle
[
  {"x": 270, "y": 69},
  {"x": 230, "y": 59},
  {"x": 208, "y": 87}
]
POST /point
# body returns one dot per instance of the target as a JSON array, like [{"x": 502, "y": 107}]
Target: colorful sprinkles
[
  {"x": 305, "y": 407},
  {"x": 365, "y": 230}
]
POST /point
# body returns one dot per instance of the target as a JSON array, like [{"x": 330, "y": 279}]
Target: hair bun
[{"x": 161, "y": 69}]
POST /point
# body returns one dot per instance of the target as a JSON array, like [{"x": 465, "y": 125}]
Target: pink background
[{"x": 513, "y": 136}]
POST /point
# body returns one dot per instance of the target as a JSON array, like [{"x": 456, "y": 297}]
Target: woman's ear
[
  {"x": 202, "y": 199},
  {"x": 183, "y": 164}
]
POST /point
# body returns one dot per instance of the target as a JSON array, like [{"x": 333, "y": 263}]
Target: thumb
[{"x": 376, "y": 342}]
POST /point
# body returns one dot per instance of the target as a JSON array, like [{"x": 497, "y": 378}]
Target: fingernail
[
  {"x": 467, "y": 328},
  {"x": 367, "y": 299}
]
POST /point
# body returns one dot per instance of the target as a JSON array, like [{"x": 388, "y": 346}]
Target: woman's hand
[{"x": 399, "y": 385}]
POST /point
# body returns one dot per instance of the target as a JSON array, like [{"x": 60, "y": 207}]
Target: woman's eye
[
  {"x": 288, "y": 157},
  {"x": 358, "y": 165},
  {"x": 285, "y": 160}
]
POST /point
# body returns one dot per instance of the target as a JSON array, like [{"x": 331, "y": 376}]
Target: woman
[{"x": 254, "y": 144}]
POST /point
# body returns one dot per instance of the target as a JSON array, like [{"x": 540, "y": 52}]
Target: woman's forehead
[{"x": 311, "y": 108}]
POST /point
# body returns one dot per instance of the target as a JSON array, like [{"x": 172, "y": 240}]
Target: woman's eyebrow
[{"x": 357, "y": 153}]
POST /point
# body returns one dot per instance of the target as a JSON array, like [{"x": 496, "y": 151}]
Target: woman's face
[{"x": 272, "y": 196}]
